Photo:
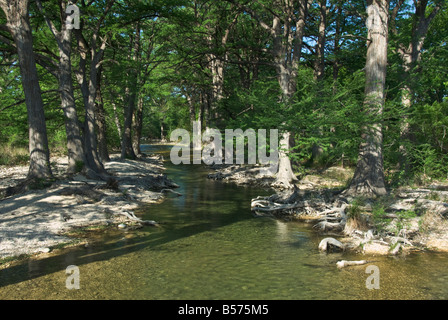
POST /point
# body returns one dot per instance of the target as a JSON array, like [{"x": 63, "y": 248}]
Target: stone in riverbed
[{"x": 376, "y": 249}]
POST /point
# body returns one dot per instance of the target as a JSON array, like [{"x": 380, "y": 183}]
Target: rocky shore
[
  {"x": 406, "y": 220},
  {"x": 38, "y": 220}
]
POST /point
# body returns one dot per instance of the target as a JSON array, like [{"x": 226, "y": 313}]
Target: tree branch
[{"x": 48, "y": 21}]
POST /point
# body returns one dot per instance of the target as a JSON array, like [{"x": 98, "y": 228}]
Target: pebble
[{"x": 122, "y": 226}]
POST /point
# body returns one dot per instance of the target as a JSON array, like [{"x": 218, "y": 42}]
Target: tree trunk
[
  {"x": 196, "y": 129},
  {"x": 410, "y": 55},
  {"x": 368, "y": 179},
  {"x": 337, "y": 38},
  {"x": 217, "y": 70},
  {"x": 90, "y": 135},
  {"x": 88, "y": 90},
  {"x": 216, "y": 66},
  {"x": 94, "y": 166},
  {"x": 127, "y": 150},
  {"x": 319, "y": 63},
  {"x": 319, "y": 68},
  {"x": 285, "y": 175},
  {"x": 138, "y": 126},
  {"x": 191, "y": 107},
  {"x": 19, "y": 26},
  {"x": 162, "y": 132},
  {"x": 116, "y": 119},
  {"x": 75, "y": 150},
  {"x": 100, "y": 117},
  {"x": 287, "y": 47}
]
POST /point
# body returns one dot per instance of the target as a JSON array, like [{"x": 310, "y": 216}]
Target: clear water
[{"x": 211, "y": 247}]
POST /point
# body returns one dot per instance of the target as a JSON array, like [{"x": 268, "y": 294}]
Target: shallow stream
[{"x": 210, "y": 247}]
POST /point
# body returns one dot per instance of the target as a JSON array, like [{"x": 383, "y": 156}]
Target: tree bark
[
  {"x": 100, "y": 117},
  {"x": 319, "y": 67},
  {"x": 368, "y": 179},
  {"x": 217, "y": 64},
  {"x": 117, "y": 120},
  {"x": 285, "y": 175},
  {"x": 337, "y": 39},
  {"x": 89, "y": 87},
  {"x": 137, "y": 125},
  {"x": 17, "y": 15},
  {"x": 127, "y": 150},
  {"x": 319, "y": 63},
  {"x": 75, "y": 148},
  {"x": 287, "y": 47},
  {"x": 410, "y": 55},
  {"x": 90, "y": 135}
]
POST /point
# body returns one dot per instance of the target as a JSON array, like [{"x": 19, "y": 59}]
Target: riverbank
[
  {"x": 36, "y": 221},
  {"x": 407, "y": 219}
]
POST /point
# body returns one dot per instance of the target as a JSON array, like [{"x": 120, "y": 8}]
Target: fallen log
[
  {"x": 131, "y": 216},
  {"x": 330, "y": 226},
  {"x": 345, "y": 263},
  {"x": 276, "y": 207},
  {"x": 336, "y": 212},
  {"x": 330, "y": 243}
]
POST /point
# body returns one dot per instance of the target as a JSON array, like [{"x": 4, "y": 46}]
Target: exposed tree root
[
  {"x": 329, "y": 226},
  {"x": 131, "y": 216},
  {"x": 172, "y": 191},
  {"x": 328, "y": 244},
  {"x": 345, "y": 263}
]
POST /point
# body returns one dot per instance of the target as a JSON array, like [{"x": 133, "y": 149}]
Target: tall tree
[
  {"x": 319, "y": 64},
  {"x": 410, "y": 51},
  {"x": 368, "y": 179},
  {"x": 286, "y": 31},
  {"x": 75, "y": 148},
  {"x": 92, "y": 53},
  {"x": 17, "y": 15},
  {"x": 127, "y": 151}
]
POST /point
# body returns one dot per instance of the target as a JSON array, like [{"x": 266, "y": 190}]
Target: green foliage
[
  {"x": 385, "y": 222},
  {"x": 354, "y": 209},
  {"x": 13, "y": 155},
  {"x": 430, "y": 154},
  {"x": 181, "y": 39},
  {"x": 327, "y": 114},
  {"x": 379, "y": 217}
]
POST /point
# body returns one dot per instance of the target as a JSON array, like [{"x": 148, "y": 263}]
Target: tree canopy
[{"x": 315, "y": 70}]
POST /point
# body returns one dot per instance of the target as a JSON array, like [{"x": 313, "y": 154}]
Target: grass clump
[
  {"x": 391, "y": 223},
  {"x": 10, "y": 155},
  {"x": 356, "y": 220}
]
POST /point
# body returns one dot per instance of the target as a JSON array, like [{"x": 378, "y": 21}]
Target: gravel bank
[{"x": 37, "y": 220}]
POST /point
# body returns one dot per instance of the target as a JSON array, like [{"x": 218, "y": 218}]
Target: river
[{"x": 209, "y": 246}]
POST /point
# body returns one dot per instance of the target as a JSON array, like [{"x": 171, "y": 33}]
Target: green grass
[
  {"x": 354, "y": 210},
  {"x": 10, "y": 156},
  {"x": 385, "y": 223}
]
